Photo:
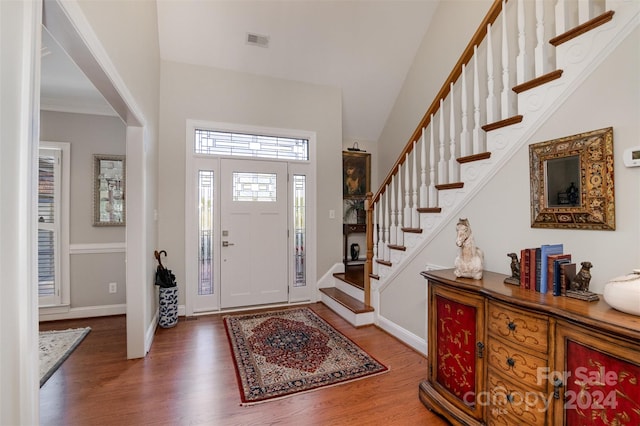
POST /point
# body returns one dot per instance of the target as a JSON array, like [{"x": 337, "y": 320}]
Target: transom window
[{"x": 246, "y": 145}]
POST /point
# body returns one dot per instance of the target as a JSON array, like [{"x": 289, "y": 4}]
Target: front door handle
[{"x": 227, "y": 244}]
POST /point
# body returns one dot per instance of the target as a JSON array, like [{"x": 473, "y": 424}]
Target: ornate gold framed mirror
[{"x": 572, "y": 182}]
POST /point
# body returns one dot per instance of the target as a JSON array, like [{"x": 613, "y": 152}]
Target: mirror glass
[
  {"x": 572, "y": 182},
  {"x": 563, "y": 181},
  {"x": 109, "y": 190}
]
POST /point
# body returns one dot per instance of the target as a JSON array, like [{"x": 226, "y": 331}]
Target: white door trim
[{"x": 308, "y": 168}]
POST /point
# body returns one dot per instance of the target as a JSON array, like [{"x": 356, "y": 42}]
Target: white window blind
[{"x": 48, "y": 226}]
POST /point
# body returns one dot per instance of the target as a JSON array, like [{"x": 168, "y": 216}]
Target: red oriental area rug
[{"x": 281, "y": 353}]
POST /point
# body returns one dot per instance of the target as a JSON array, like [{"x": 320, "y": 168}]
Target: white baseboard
[
  {"x": 97, "y": 248},
  {"x": 403, "y": 335},
  {"x": 327, "y": 279},
  {"x": 85, "y": 312},
  {"x": 151, "y": 331}
]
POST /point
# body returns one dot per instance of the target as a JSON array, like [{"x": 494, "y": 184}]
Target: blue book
[{"x": 545, "y": 251}]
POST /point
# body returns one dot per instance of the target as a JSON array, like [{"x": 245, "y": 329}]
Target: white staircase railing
[{"x": 514, "y": 51}]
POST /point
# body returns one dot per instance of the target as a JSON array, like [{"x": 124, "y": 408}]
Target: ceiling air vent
[{"x": 257, "y": 40}]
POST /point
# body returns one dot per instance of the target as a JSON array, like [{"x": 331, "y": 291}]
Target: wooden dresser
[{"x": 499, "y": 355}]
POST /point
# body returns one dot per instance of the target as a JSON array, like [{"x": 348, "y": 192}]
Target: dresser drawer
[
  {"x": 511, "y": 404},
  {"x": 520, "y": 367},
  {"x": 519, "y": 327}
]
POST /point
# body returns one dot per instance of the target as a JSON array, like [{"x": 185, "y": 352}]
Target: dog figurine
[
  {"x": 581, "y": 281},
  {"x": 515, "y": 265}
]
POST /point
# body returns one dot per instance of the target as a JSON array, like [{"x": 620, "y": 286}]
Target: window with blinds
[{"x": 48, "y": 226}]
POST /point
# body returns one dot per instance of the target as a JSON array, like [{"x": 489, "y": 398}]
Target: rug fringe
[{"x": 249, "y": 404}]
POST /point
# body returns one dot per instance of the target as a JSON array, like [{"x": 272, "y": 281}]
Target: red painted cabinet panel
[
  {"x": 457, "y": 323},
  {"x": 601, "y": 379}
]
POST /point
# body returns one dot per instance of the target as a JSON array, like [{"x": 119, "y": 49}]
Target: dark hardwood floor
[{"x": 188, "y": 379}]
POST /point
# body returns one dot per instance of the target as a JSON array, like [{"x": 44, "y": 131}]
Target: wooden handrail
[{"x": 466, "y": 56}]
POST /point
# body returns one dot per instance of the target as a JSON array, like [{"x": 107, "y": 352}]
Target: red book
[
  {"x": 524, "y": 272},
  {"x": 532, "y": 269},
  {"x": 550, "y": 260}
]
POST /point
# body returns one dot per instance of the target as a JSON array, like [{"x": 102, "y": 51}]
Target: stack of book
[{"x": 546, "y": 268}]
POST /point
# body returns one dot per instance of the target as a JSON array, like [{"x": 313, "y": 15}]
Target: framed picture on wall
[{"x": 356, "y": 174}]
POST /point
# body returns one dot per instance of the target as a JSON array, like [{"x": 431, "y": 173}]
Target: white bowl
[{"x": 623, "y": 293}]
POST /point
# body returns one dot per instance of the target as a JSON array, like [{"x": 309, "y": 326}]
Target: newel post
[{"x": 368, "y": 266}]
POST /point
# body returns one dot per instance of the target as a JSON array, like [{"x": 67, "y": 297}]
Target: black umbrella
[{"x": 164, "y": 276}]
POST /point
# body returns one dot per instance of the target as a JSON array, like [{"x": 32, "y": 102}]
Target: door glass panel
[
  {"x": 299, "y": 229},
  {"x": 205, "y": 232},
  {"x": 254, "y": 187}
]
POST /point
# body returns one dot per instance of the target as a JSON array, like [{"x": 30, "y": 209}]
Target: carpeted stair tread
[{"x": 353, "y": 304}]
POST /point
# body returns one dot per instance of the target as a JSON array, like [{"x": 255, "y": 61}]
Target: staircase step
[
  {"x": 353, "y": 275},
  {"x": 583, "y": 28},
  {"x": 429, "y": 209},
  {"x": 396, "y": 247},
  {"x": 412, "y": 230},
  {"x": 384, "y": 262},
  {"x": 474, "y": 157},
  {"x": 502, "y": 123},
  {"x": 352, "y": 304},
  {"x": 453, "y": 185},
  {"x": 352, "y": 310},
  {"x": 543, "y": 79}
]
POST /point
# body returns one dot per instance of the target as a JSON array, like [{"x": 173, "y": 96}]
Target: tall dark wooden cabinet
[{"x": 502, "y": 355}]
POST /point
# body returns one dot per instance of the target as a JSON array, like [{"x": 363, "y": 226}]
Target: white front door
[{"x": 253, "y": 232}]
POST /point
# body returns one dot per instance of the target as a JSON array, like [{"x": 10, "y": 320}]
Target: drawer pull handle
[
  {"x": 557, "y": 384},
  {"x": 511, "y": 362},
  {"x": 511, "y": 325},
  {"x": 480, "y": 346}
]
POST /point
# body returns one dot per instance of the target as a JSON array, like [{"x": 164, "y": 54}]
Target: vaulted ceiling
[{"x": 364, "y": 47}]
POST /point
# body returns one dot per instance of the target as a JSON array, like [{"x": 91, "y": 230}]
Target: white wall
[
  {"x": 19, "y": 103},
  {"x": 500, "y": 213},
  {"x": 202, "y": 93},
  {"x": 127, "y": 32},
  {"x": 89, "y": 135},
  {"x": 449, "y": 32}
]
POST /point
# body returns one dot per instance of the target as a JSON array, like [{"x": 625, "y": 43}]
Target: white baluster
[
  {"x": 492, "y": 104},
  {"x": 415, "y": 217},
  {"x": 453, "y": 163},
  {"x": 433, "y": 192},
  {"x": 407, "y": 204},
  {"x": 541, "y": 46},
  {"x": 585, "y": 10},
  {"x": 522, "y": 70},
  {"x": 442, "y": 164},
  {"x": 562, "y": 17},
  {"x": 392, "y": 225},
  {"x": 505, "y": 101},
  {"x": 387, "y": 255},
  {"x": 399, "y": 232},
  {"x": 477, "y": 135},
  {"x": 376, "y": 239},
  {"x": 423, "y": 171},
  {"x": 465, "y": 149}
]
